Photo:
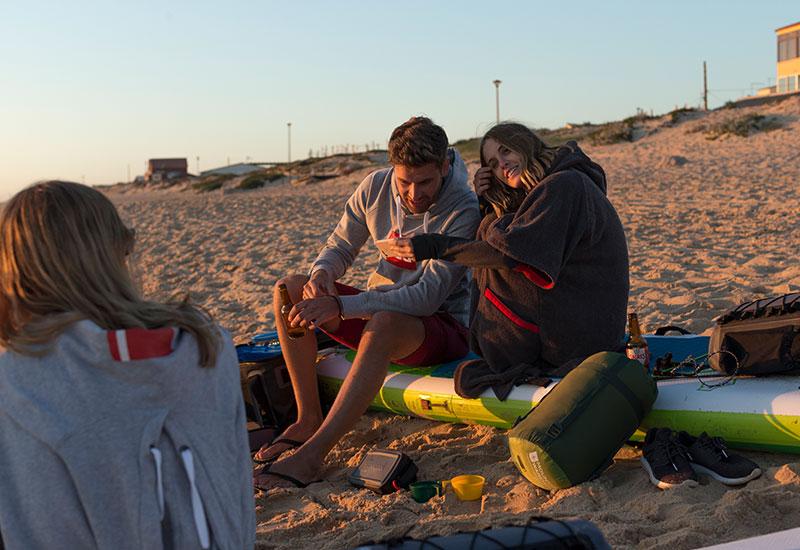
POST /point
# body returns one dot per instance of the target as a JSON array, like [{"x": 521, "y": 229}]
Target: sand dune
[{"x": 710, "y": 223}]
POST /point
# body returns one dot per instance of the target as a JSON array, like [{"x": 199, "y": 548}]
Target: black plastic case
[{"x": 384, "y": 471}]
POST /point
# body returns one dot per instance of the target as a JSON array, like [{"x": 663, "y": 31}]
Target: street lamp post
[
  {"x": 497, "y": 98},
  {"x": 289, "y": 128}
]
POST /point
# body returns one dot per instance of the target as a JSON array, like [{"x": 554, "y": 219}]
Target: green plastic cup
[{"x": 423, "y": 491}]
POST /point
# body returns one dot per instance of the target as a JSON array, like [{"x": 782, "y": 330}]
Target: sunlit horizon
[{"x": 91, "y": 91}]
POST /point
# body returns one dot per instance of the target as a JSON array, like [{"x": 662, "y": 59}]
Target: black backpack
[
  {"x": 266, "y": 387},
  {"x": 267, "y": 392},
  {"x": 758, "y": 337}
]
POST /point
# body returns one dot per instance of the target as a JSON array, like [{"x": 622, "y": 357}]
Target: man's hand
[
  {"x": 319, "y": 284},
  {"x": 482, "y": 180},
  {"x": 314, "y": 312}
]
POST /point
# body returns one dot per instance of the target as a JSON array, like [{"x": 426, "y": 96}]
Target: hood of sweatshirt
[
  {"x": 570, "y": 157},
  {"x": 129, "y": 417}
]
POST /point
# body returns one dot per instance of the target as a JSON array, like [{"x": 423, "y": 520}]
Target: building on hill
[
  {"x": 166, "y": 169},
  {"x": 788, "y": 79}
]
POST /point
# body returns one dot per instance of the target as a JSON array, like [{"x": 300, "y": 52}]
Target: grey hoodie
[
  {"x": 374, "y": 210},
  {"x": 119, "y": 439}
]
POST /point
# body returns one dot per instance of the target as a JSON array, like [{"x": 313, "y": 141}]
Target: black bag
[
  {"x": 267, "y": 388},
  {"x": 267, "y": 391},
  {"x": 762, "y": 337},
  {"x": 384, "y": 471}
]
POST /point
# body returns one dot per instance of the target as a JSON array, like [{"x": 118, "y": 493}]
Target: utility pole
[
  {"x": 289, "y": 129},
  {"x": 497, "y": 98},
  {"x": 705, "y": 87},
  {"x": 197, "y": 160}
]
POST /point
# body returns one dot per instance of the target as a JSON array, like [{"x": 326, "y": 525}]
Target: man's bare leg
[
  {"x": 387, "y": 336},
  {"x": 300, "y": 355}
]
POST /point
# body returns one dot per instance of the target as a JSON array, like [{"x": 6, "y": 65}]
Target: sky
[{"x": 89, "y": 90}]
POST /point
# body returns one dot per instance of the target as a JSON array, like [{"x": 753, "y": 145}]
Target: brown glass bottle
[
  {"x": 636, "y": 346},
  {"x": 286, "y": 307}
]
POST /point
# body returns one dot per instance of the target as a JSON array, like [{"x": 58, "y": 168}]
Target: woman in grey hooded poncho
[{"x": 550, "y": 263}]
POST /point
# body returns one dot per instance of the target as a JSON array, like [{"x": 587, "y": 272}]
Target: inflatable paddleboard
[{"x": 753, "y": 413}]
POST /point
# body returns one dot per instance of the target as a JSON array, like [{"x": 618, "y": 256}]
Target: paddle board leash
[{"x": 695, "y": 367}]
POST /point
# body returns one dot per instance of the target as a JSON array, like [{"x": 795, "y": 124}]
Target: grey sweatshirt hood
[
  {"x": 129, "y": 439},
  {"x": 376, "y": 211}
]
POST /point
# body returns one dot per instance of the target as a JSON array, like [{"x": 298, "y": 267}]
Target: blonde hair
[
  {"x": 63, "y": 258},
  {"x": 536, "y": 159}
]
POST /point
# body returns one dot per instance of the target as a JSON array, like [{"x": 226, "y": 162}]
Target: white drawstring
[
  {"x": 200, "y": 520},
  {"x": 401, "y": 216},
  {"x": 159, "y": 480},
  {"x": 399, "y": 212}
]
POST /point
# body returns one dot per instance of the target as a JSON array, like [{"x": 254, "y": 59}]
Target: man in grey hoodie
[{"x": 413, "y": 313}]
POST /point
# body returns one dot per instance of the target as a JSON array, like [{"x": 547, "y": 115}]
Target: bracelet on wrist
[{"x": 339, "y": 304}]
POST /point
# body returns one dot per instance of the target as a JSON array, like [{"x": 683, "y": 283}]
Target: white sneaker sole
[
  {"x": 726, "y": 480},
  {"x": 663, "y": 484}
]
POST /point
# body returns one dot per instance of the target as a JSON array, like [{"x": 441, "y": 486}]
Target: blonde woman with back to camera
[{"x": 121, "y": 419}]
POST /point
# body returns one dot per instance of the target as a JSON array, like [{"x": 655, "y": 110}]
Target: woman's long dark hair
[{"x": 537, "y": 157}]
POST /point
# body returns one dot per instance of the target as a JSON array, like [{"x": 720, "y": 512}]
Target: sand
[{"x": 710, "y": 223}]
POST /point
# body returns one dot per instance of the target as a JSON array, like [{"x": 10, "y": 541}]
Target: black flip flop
[
  {"x": 292, "y": 443},
  {"x": 293, "y": 480}
]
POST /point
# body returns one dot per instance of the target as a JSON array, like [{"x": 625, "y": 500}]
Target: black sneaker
[
  {"x": 665, "y": 460},
  {"x": 709, "y": 455}
]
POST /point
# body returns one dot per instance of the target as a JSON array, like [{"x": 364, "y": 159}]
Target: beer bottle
[
  {"x": 636, "y": 346},
  {"x": 286, "y": 307}
]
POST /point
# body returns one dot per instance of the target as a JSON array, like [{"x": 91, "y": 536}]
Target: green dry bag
[{"x": 572, "y": 435}]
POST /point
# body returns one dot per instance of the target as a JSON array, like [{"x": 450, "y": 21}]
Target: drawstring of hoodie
[
  {"x": 198, "y": 510},
  {"x": 399, "y": 211},
  {"x": 398, "y": 203},
  {"x": 159, "y": 480}
]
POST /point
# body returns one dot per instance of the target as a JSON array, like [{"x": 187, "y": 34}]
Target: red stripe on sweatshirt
[
  {"x": 111, "y": 336},
  {"x": 537, "y": 277},
  {"x": 505, "y": 310},
  {"x": 144, "y": 343}
]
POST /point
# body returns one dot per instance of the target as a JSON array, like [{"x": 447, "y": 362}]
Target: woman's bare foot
[{"x": 291, "y": 438}]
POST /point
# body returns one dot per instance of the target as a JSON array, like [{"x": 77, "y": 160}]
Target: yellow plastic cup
[{"x": 468, "y": 487}]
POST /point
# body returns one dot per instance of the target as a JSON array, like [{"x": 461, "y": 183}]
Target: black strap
[
  {"x": 661, "y": 331},
  {"x": 788, "y": 361},
  {"x": 611, "y": 376}
]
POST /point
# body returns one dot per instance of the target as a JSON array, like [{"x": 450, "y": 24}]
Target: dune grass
[
  {"x": 743, "y": 126},
  {"x": 212, "y": 183},
  {"x": 260, "y": 179}
]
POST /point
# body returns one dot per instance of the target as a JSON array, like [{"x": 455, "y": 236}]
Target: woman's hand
[
  {"x": 482, "y": 180},
  {"x": 314, "y": 312},
  {"x": 396, "y": 248}
]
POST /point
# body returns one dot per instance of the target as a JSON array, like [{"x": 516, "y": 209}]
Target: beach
[{"x": 710, "y": 223}]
